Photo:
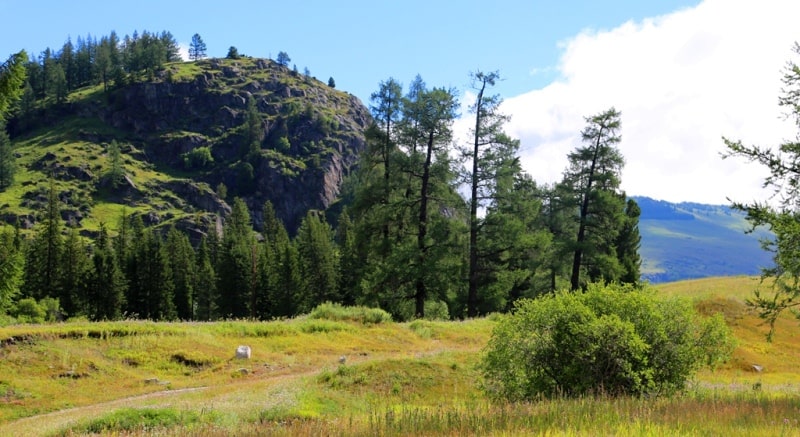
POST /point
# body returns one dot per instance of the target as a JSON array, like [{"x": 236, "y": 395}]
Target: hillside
[
  {"x": 260, "y": 129},
  {"x": 691, "y": 240}
]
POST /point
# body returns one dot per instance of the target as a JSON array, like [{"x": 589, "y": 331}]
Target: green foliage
[
  {"x": 782, "y": 219},
  {"x": 12, "y": 79},
  {"x": 233, "y": 53},
  {"x": 361, "y": 314},
  {"x": 116, "y": 171},
  {"x": 11, "y": 268},
  {"x": 318, "y": 261},
  {"x": 8, "y": 161},
  {"x": 283, "y": 59},
  {"x": 614, "y": 340},
  {"x": 27, "y": 310},
  {"x": 199, "y": 158},
  {"x": 197, "y": 48},
  {"x": 129, "y": 420},
  {"x": 331, "y": 82}
]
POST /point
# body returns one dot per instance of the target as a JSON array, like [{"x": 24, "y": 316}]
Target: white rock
[{"x": 243, "y": 352}]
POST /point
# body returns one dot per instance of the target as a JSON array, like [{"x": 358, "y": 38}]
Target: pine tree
[
  {"x": 284, "y": 282},
  {"x": 104, "y": 282},
  {"x": 205, "y": 284},
  {"x": 254, "y": 133},
  {"x": 181, "y": 259},
  {"x": 318, "y": 262},
  {"x": 12, "y": 80},
  {"x": 237, "y": 255},
  {"x": 8, "y": 164},
  {"x": 11, "y": 269},
  {"x": 350, "y": 263},
  {"x": 74, "y": 262},
  {"x": 116, "y": 171},
  {"x": 43, "y": 258},
  {"x": 197, "y": 48}
]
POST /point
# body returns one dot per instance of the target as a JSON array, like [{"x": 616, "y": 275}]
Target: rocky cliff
[{"x": 260, "y": 129}]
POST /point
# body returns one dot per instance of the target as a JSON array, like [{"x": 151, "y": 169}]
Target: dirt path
[
  {"x": 53, "y": 421},
  {"x": 56, "y": 420}
]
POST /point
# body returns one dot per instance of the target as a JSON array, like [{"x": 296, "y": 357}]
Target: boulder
[{"x": 243, "y": 352}]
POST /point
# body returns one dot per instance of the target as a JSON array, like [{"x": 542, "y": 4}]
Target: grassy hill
[
  {"x": 691, "y": 240},
  {"x": 417, "y": 378}
]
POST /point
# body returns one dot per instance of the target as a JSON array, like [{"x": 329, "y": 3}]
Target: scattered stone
[
  {"x": 342, "y": 359},
  {"x": 243, "y": 352},
  {"x": 151, "y": 381},
  {"x": 758, "y": 368},
  {"x": 244, "y": 371}
]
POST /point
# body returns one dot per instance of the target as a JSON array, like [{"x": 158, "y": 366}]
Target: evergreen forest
[{"x": 426, "y": 223}]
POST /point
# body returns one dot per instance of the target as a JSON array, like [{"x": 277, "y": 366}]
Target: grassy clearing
[{"x": 417, "y": 378}]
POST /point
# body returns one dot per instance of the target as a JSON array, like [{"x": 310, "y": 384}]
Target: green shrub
[
  {"x": 361, "y": 314},
  {"x": 29, "y": 311},
  {"x": 198, "y": 158},
  {"x": 130, "y": 419},
  {"x": 611, "y": 339}
]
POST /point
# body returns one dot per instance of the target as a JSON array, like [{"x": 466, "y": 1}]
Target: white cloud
[
  {"x": 183, "y": 51},
  {"x": 681, "y": 81}
]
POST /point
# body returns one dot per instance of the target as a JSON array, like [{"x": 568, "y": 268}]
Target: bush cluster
[{"x": 613, "y": 340}]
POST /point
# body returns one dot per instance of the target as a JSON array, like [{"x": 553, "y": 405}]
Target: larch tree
[
  {"x": 430, "y": 165},
  {"x": 593, "y": 176},
  {"x": 779, "y": 215},
  {"x": 12, "y": 81},
  {"x": 491, "y": 160}
]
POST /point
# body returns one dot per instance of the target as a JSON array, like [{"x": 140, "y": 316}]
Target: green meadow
[{"x": 362, "y": 376}]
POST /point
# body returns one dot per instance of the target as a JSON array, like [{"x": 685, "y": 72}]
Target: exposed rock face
[{"x": 312, "y": 134}]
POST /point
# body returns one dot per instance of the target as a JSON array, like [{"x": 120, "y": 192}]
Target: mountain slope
[
  {"x": 691, "y": 240},
  {"x": 263, "y": 131}
]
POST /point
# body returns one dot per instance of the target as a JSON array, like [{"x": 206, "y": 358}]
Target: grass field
[{"x": 418, "y": 378}]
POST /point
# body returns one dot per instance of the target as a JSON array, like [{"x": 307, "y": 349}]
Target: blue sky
[
  {"x": 359, "y": 43},
  {"x": 683, "y": 73}
]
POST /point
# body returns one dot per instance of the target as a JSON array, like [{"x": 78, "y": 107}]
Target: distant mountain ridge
[{"x": 691, "y": 240}]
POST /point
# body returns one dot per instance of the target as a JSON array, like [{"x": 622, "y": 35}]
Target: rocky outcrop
[{"x": 323, "y": 128}]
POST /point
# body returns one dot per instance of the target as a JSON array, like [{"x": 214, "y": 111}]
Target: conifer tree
[
  {"x": 205, "y": 284},
  {"x": 593, "y": 177},
  {"x": 43, "y": 258},
  {"x": 433, "y": 127},
  {"x": 197, "y": 48},
  {"x": 74, "y": 263},
  {"x": 8, "y": 164},
  {"x": 237, "y": 255},
  {"x": 12, "y": 80},
  {"x": 492, "y": 162},
  {"x": 318, "y": 262},
  {"x": 284, "y": 282},
  {"x": 104, "y": 283},
  {"x": 11, "y": 269},
  {"x": 181, "y": 259},
  {"x": 350, "y": 263}
]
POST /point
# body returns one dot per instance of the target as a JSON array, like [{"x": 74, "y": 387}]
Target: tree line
[{"x": 408, "y": 240}]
